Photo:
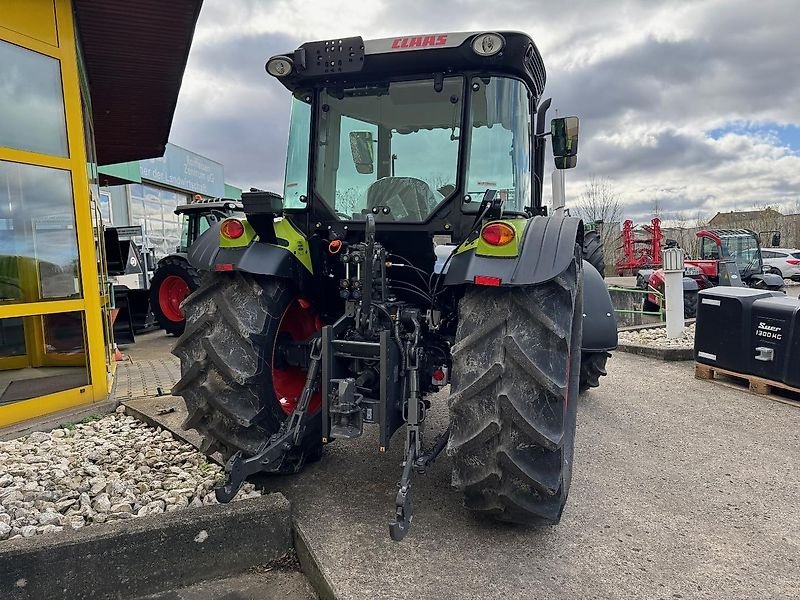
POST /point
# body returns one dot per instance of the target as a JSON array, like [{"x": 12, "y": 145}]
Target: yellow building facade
[{"x": 55, "y": 303}]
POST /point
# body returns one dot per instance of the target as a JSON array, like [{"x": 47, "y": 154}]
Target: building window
[
  {"x": 31, "y": 102},
  {"x": 154, "y": 208},
  {"x": 38, "y": 243},
  {"x": 41, "y": 355}
]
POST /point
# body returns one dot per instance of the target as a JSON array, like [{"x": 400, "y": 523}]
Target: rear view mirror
[
  {"x": 565, "y": 141},
  {"x": 362, "y": 150},
  {"x": 776, "y": 240}
]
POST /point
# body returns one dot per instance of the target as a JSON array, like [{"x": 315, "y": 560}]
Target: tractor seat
[{"x": 408, "y": 198}]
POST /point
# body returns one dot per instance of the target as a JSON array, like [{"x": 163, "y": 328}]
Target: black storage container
[
  {"x": 722, "y": 335},
  {"x": 775, "y": 339}
]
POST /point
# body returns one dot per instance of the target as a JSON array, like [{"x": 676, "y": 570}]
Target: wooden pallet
[{"x": 773, "y": 390}]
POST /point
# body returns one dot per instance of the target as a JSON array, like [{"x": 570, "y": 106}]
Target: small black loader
[
  {"x": 410, "y": 251},
  {"x": 174, "y": 278}
]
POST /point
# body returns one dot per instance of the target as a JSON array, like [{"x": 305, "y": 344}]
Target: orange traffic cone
[{"x": 117, "y": 354}]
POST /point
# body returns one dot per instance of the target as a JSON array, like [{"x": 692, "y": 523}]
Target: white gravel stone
[
  {"x": 107, "y": 470},
  {"x": 657, "y": 338}
]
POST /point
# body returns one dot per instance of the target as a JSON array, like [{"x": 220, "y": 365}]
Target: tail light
[
  {"x": 498, "y": 234},
  {"x": 232, "y": 229},
  {"x": 793, "y": 261}
]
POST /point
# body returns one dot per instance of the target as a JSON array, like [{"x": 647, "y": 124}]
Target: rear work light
[
  {"x": 498, "y": 234},
  {"x": 488, "y": 44},
  {"x": 280, "y": 66},
  {"x": 232, "y": 229}
]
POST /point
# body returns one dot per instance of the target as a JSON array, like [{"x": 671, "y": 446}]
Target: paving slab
[
  {"x": 681, "y": 489},
  {"x": 148, "y": 369}
]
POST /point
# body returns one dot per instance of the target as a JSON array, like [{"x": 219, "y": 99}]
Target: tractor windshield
[{"x": 744, "y": 250}]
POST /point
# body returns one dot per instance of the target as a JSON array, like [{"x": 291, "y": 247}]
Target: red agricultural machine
[
  {"x": 640, "y": 252},
  {"x": 724, "y": 257}
]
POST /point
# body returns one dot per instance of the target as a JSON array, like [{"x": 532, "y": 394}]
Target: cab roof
[{"x": 353, "y": 60}]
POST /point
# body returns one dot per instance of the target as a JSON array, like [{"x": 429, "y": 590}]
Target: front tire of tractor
[
  {"x": 690, "y": 304},
  {"x": 593, "y": 364},
  {"x": 513, "y": 402},
  {"x": 593, "y": 367},
  {"x": 227, "y": 353}
]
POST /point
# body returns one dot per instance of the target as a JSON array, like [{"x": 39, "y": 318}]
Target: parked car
[{"x": 782, "y": 261}]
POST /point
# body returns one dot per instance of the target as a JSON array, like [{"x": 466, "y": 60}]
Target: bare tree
[
  {"x": 655, "y": 208},
  {"x": 682, "y": 232},
  {"x": 599, "y": 205}
]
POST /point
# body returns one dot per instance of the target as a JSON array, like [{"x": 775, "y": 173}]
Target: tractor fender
[
  {"x": 599, "y": 321},
  {"x": 257, "y": 258},
  {"x": 173, "y": 256},
  {"x": 769, "y": 281},
  {"x": 546, "y": 251}
]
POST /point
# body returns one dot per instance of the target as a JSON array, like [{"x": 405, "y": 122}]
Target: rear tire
[
  {"x": 226, "y": 354},
  {"x": 593, "y": 251},
  {"x": 513, "y": 402},
  {"x": 166, "y": 309}
]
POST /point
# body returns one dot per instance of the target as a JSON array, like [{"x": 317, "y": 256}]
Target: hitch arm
[
  {"x": 272, "y": 455},
  {"x": 404, "y": 504}
]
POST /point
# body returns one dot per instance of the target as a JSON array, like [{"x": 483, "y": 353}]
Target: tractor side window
[
  {"x": 184, "y": 234},
  {"x": 295, "y": 183},
  {"x": 708, "y": 250},
  {"x": 500, "y": 148},
  {"x": 203, "y": 225}
]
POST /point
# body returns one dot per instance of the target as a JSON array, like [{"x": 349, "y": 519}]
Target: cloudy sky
[{"x": 693, "y": 105}]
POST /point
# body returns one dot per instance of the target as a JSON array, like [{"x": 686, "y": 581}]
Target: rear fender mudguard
[
  {"x": 257, "y": 258},
  {"x": 599, "y": 321},
  {"x": 546, "y": 251}
]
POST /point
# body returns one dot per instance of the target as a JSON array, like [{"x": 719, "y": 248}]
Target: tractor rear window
[{"x": 389, "y": 149}]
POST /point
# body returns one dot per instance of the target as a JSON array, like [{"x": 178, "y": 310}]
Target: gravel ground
[
  {"x": 109, "y": 469},
  {"x": 657, "y": 338}
]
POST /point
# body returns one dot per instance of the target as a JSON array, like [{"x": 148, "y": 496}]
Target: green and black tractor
[
  {"x": 174, "y": 278},
  {"x": 410, "y": 251}
]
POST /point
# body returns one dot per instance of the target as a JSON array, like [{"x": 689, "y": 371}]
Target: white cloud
[{"x": 650, "y": 81}]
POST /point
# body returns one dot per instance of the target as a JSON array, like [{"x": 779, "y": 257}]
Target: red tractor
[{"x": 725, "y": 257}]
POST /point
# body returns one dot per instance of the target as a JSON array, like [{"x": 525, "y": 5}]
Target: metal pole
[
  {"x": 559, "y": 198},
  {"x": 672, "y": 259}
]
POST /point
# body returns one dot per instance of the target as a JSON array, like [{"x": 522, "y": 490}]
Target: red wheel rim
[
  {"x": 298, "y": 323},
  {"x": 170, "y": 295}
]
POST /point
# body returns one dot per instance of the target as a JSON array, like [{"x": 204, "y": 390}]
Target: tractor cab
[
  {"x": 741, "y": 246},
  {"x": 200, "y": 214},
  {"x": 415, "y": 131}
]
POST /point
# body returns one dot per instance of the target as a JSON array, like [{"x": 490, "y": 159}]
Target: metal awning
[{"x": 135, "y": 55}]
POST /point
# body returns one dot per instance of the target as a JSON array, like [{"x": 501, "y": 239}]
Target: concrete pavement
[{"x": 682, "y": 488}]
